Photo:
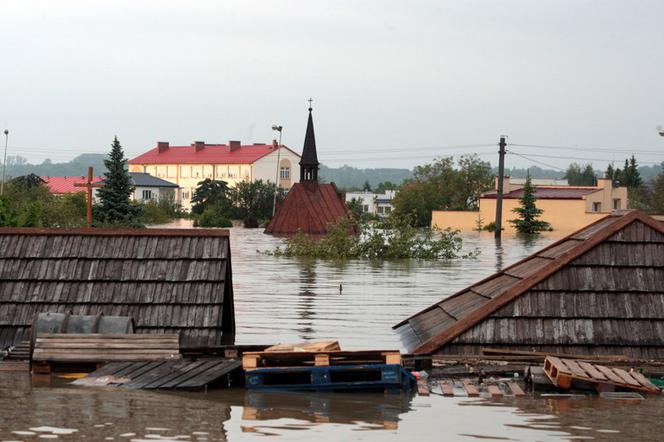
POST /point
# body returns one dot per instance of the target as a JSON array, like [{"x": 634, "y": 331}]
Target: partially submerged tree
[
  {"x": 253, "y": 201},
  {"x": 115, "y": 207},
  {"x": 210, "y": 193},
  {"x": 529, "y": 213}
]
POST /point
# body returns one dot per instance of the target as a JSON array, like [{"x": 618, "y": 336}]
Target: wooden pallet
[
  {"x": 563, "y": 372},
  {"x": 255, "y": 360},
  {"x": 179, "y": 375},
  {"x": 330, "y": 377},
  {"x": 20, "y": 352}
]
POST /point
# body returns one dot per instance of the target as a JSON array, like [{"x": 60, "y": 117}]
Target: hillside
[{"x": 346, "y": 176}]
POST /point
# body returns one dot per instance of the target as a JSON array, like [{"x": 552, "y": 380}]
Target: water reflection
[{"x": 306, "y": 299}]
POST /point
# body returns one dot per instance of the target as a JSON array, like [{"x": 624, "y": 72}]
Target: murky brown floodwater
[{"x": 286, "y": 300}]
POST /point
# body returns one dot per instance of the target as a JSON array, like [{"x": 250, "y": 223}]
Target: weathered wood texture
[
  {"x": 169, "y": 281},
  {"x": 63, "y": 347},
  {"x": 598, "y": 291}
]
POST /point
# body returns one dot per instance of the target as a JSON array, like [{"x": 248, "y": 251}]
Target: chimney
[
  {"x": 199, "y": 145},
  {"x": 234, "y": 145},
  {"x": 162, "y": 146}
]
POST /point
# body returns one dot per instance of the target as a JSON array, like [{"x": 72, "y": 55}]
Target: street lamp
[
  {"x": 4, "y": 164},
  {"x": 276, "y": 178}
]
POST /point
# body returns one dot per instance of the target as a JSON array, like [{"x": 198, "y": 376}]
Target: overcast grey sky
[{"x": 394, "y": 83}]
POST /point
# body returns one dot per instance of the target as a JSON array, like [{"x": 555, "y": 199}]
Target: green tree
[
  {"x": 656, "y": 194},
  {"x": 8, "y": 216},
  {"x": 443, "y": 185},
  {"x": 384, "y": 186},
  {"x": 577, "y": 175},
  {"x": 355, "y": 207},
  {"x": 213, "y": 216},
  {"x": 67, "y": 210},
  {"x": 115, "y": 207},
  {"x": 211, "y": 193},
  {"x": 366, "y": 187},
  {"x": 528, "y": 221},
  {"x": 252, "y": 201},
  {"x": 28, "y": 198}
]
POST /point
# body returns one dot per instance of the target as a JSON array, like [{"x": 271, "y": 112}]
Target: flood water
[{"x": 281, "y": 300}]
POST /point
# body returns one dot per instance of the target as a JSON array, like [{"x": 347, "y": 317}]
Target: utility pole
[
  {"x": 276, "y": 178},
  {"x": 4, "y": 164},
  {"x": 499, "y": 193}
]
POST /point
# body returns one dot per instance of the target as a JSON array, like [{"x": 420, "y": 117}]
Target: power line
[
  {"x": 593, "y": 149},
  {"x": 541, "y": 163},
  {"x": 584, "y": 159}
]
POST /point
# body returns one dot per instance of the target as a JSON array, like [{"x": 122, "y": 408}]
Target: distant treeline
[
  {"x": 647, "y": 172},
  {"x": 19, "y": 166}
]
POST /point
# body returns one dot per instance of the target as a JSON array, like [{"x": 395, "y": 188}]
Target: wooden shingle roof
[
  {"x": 168, "y": 280},
  {"x": 579, "y": 293}
]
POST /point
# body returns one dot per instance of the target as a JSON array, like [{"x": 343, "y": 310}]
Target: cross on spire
[{"x": 310, "y": 101}]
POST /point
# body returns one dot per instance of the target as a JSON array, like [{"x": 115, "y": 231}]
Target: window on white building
[
  {"x": 172, "y": 171},
  {"x": 161, "y": 171},
  {"x": 365, "y": 208},
  {"x": 196, "y": 171},
  {"x": 284, "y": 173},
  {"x": 233, "y": 172},
  {"x": 221, "y": 171},
  {"x": 597, "y": 207},
  {"x": 185, "y": 171},
  {"x": 147, "y": 195},
  {"x": 616, "y": 204},
  {"x": 207, "y": 171}
]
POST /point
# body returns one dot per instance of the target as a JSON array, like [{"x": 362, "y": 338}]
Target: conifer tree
[
  {"x": 528, "y": 221},
  {"x": 115, "y": 207}
]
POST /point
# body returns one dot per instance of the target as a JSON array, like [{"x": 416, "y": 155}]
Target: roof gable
[{"x": 443, "y": 322}]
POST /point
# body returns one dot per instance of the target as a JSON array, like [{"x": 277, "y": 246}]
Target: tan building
[
  {"x": 186, "y": 166},
  {"x": 566, "y": 208}
]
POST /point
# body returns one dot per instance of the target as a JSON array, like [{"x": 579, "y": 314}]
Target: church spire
[{"x": 309, "y": 161}]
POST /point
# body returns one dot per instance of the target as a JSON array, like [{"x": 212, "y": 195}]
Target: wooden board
[
  {"x": 446, "y": 388},
  {"x": 422, "y": 388},
  {"x": 470, "y": 389},
  {"x": 516, "y": 389},
  {"x": 254, "y": 360},
  {"x": 494, "y": 391}
]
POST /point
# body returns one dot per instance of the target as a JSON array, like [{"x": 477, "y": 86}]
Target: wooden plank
[
  {"x": 128, "y": 370},
  {"x": 470, "y": 389},
  {"x": 249, "y": 361},
  {"x": 645, "y": 382},
  {"x": 609, "y": 358},
  {"x": 176, "y": 373},
  {"x": 321, "y": 360},
  {"x": 516, "y": 389},
  {"x": 191, "y": 373},
  {"x": 212, "y": 374},
  {"x": 610, "y": 375},
  {"x": 147, "y": 377},
  {"x": 576, "y": 369},
  {"x": 494, "y": 391},
  {"x": 627, "y": 379},
  {"x": 134, "y": 336},
  {"x": 592, "y": 371},
  {"x": 110, "y": 369},
  {"x": 423, "y": 388},
  {"x": 446, "y": 388}
]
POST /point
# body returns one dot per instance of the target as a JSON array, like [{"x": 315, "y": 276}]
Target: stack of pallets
[{"x": 325, "y": 370}]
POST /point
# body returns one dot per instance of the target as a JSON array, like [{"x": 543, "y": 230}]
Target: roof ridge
[
  {"x": 624, "y": 219},
  {"x": 103, "y": 231}
]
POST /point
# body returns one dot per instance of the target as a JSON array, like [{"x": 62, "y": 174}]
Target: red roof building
[
  {"x": 59, "y": 185},
  {"x": 310, "y": 207}
]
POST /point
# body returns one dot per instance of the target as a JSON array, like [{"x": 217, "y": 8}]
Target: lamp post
[
  {"x": 276, "y": 178},
  {"x": 4, "y": 164}
]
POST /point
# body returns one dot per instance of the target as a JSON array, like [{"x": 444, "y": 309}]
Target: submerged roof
[
  {"x": 543, "y": 193},
  {"x": 598, "y": 291},
  {"x": 168, "y": 280},
  {"x": 65, "y": 184},
  {"x": 309, "y": 207},
  {"x": 208, "y": 154}
]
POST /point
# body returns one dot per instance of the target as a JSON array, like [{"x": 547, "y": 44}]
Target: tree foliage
[
  {"x": 443, "y": 185},
  {"x": 396, "y": 238},
  {"x": 528, "y": 221},
  {"x": 115, "y": 206},
  {"x": 578, "y": 175},
  {"x": 210, "y": 193},
  {"x": 252, "y": 201}
]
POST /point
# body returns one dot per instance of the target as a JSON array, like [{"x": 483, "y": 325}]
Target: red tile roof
[
  {"x": 309, "y": 207},
  {"x": 209, "y": 154},
  {"x": 552, "y": 193},
  {"x": 65, "y": 184}
]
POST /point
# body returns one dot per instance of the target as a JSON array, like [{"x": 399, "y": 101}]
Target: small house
[
  {"x": 167, "y": 280},
  {"x": 598, "y": 291}
]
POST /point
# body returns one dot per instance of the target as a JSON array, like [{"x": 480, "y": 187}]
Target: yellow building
[
  {"x": 186, "y": 166},
  {"x": 566, "y": 208}
]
